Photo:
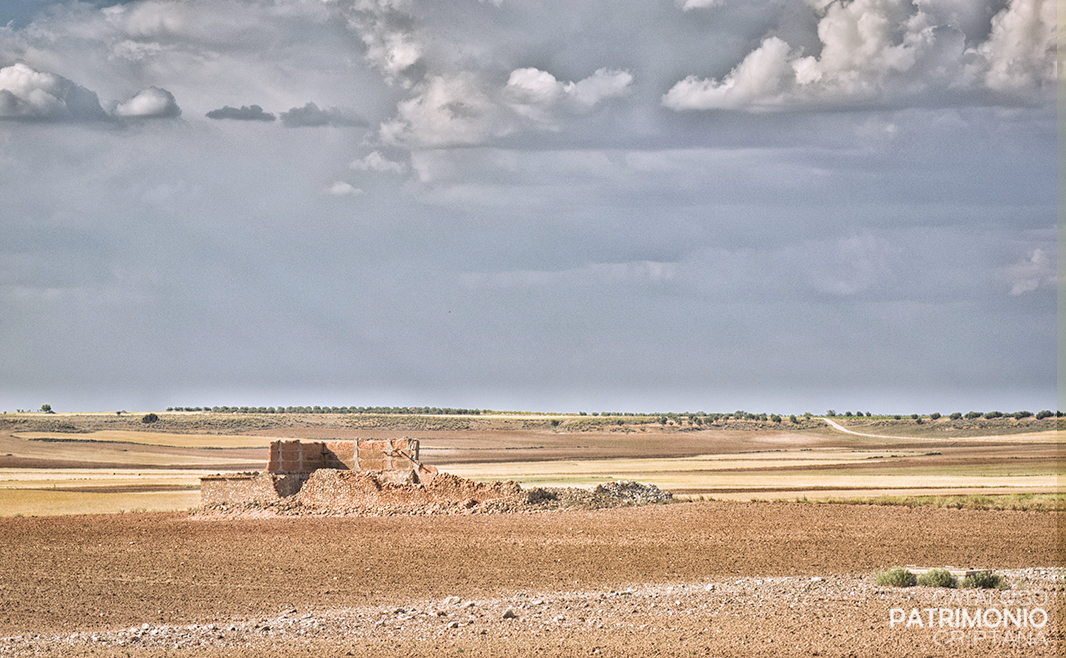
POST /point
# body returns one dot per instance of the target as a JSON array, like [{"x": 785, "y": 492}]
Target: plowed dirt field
[{"x": 698, "y": 578}]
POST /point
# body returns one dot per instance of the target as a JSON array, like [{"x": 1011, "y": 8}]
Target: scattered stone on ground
[{"x": 730, "y": 613}]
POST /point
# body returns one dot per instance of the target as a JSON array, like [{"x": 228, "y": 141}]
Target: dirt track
[{"x": 93, "y": 573}]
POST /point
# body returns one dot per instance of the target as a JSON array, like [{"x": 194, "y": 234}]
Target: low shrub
[
  {"x": 938, "y": 578},
  {"x": 896, "y": 577},
  {"x": 984, "y": 580}
]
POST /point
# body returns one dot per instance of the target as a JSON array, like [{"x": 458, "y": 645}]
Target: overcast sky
[{"x": 623, "y": 205}]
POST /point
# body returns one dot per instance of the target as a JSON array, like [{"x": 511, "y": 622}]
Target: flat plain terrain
[
  {"x": 98, "y": 463},
  {"x": 728, "y": 577}
]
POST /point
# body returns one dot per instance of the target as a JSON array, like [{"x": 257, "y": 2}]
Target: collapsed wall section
[
  {"x": 248, "y": 488},
  {"x": 330, "y": 489}
]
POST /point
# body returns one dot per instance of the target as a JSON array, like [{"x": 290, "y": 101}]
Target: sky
[{"x": 555, "y": 205}]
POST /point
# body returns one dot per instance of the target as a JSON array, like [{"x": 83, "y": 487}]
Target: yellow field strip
[
  {"x": 685, "y": 474},
  {"x": 155, "y": 439},
  {"x": 19, "y": 478},
  {"x": 22, "y": 502}
]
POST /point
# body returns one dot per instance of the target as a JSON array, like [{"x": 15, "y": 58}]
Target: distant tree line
[
  {"x": 663, "y": 418},
  {"x": 431, "y": 411}
]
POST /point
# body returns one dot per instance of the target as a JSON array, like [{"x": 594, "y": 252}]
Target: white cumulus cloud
[
  {"x": 531, "y": 86},
  {"x": 1036, "y": 271},
  {"x": 150, "y": 103},
  {"x": 446, "y": 110},
  {"x": 37, "y": 95},
  {"x": 374, "y": 161},
  {"x": 340, "y": 188},
  {"x": 688, "y": 5},
  {"x": 890, "y": 51}
]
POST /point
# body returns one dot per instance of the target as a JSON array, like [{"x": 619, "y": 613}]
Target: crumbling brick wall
[
  {"x": 293, "y": 462},
  {"x": 295, "y": 456}
]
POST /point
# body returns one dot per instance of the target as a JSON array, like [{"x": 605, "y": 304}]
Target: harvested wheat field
[{"x": 692, "y": 578}]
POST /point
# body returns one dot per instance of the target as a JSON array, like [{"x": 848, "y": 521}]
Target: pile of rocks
[
  {"x": 331, "y": 492},
  {"x": 634, "y": 493}
]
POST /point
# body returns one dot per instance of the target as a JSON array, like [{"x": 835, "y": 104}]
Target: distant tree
[
  {"x": 1022, "y": 414},
  {"x": 830, "y": 413},
  {"x": 150, "y": 418},
  {"x": 994, "y": 414},
  {"x": 555, "y": 422},
  {"x": 934, "y": 415},
  {"x": 775, "y": 418},
  {"x": 47, "y": 408},
  {"x": 1045, "y": 413},
  {"x": 970, "y": 415},
  {"x": 793, "y": 418},
  {"x": 914, "y": 416},
  {"x": 955, "y": 415},
  {"x": 897, "y": 416}
]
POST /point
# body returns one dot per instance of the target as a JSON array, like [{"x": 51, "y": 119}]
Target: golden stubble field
[{"x": 71, "y": 463}]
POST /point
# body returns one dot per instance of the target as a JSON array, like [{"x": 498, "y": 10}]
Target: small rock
[
  {"x": 509, "y": 614},
  {"x": 451, "y": 600}
]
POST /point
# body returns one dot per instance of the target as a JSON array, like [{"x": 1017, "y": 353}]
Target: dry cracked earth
[{"x": 683, "y": 579}]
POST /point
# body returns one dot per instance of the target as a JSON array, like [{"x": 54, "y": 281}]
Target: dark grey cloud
[
  {"x": 243, "y": 113},
  {"x": 311, "y": 116}
]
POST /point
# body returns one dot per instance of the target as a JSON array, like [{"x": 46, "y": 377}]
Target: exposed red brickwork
[
  {"x": 296, "y": 456},
  {"x": 388, "y": 463}
]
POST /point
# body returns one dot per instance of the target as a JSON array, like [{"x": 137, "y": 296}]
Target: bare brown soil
[{"x": 700, "y": 578}]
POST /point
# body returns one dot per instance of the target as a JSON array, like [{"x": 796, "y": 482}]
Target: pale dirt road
[{"x": 840, "y": 428}]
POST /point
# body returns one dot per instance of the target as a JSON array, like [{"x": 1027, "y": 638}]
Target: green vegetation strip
[{"x": 1018, "y": 502}]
